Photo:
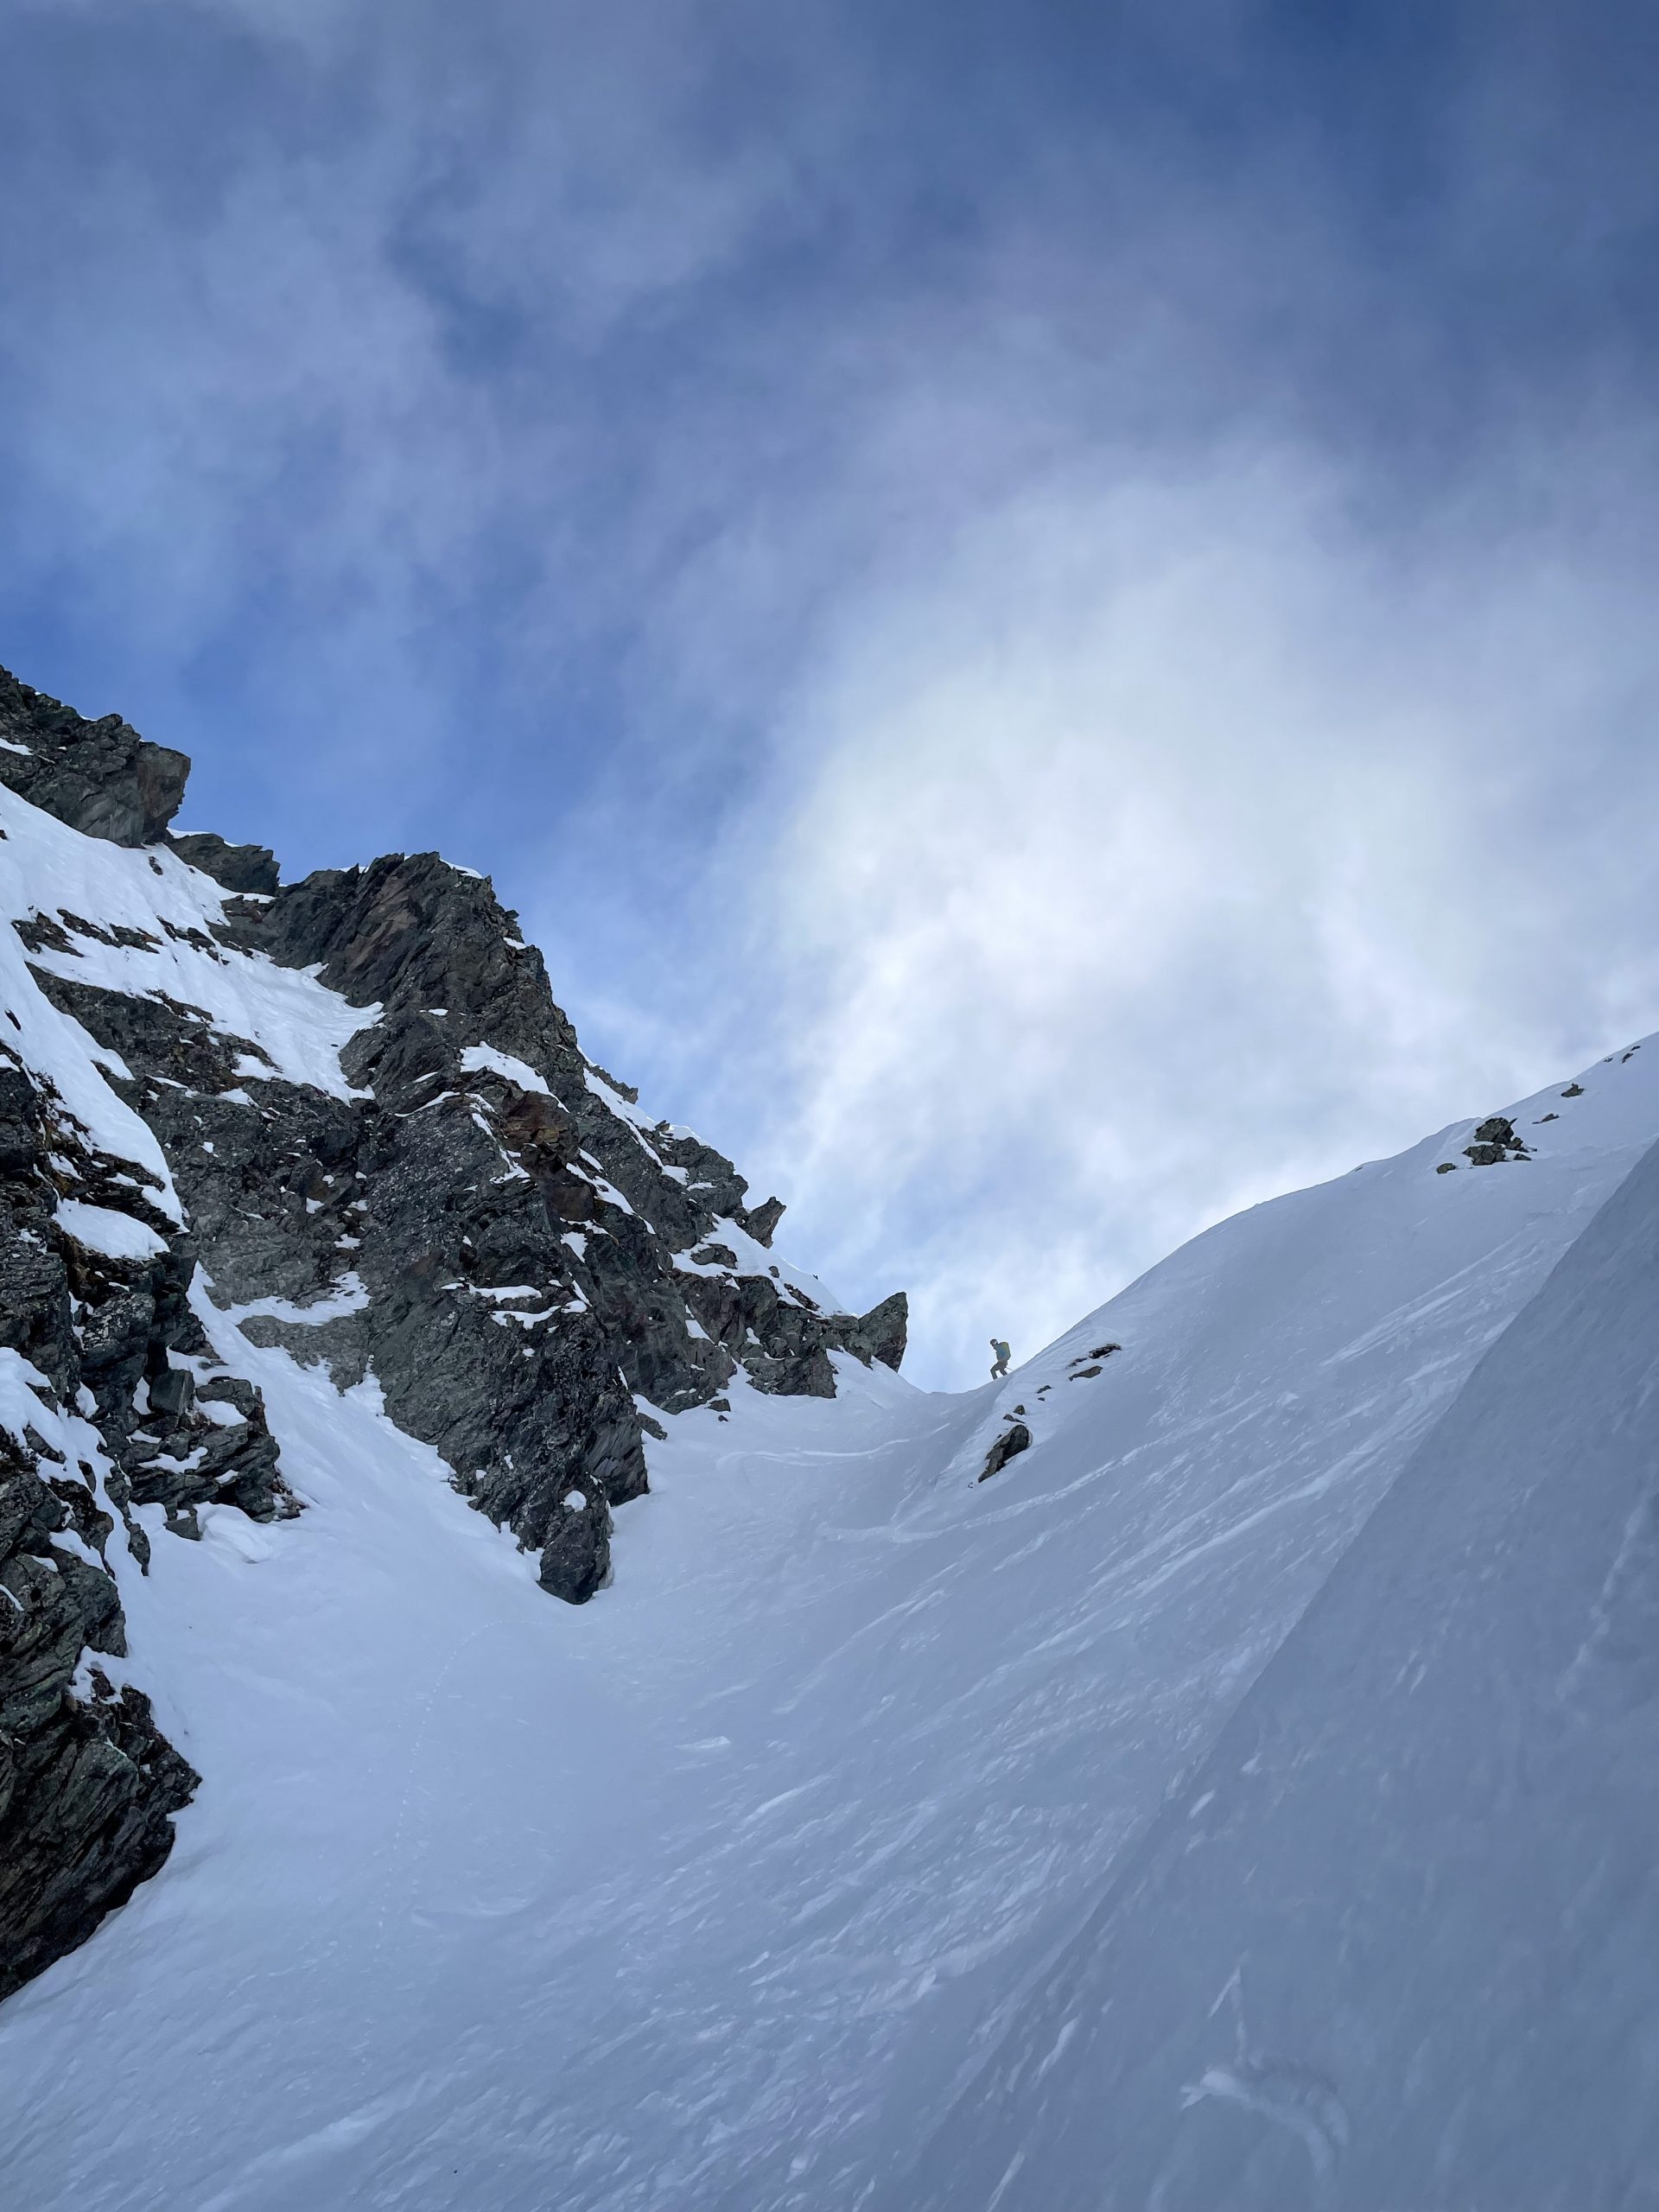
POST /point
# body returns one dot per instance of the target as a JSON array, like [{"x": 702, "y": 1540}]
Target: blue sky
[{"x": 1044, "y": 608}]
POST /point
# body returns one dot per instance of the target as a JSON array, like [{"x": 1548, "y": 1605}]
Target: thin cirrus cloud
[{"x": 1041, "y": 607}]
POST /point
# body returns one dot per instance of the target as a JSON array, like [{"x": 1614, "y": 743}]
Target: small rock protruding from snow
[
  {"x": 1495, "y": 1143},
  {"x": 1012, "y": 1441}
]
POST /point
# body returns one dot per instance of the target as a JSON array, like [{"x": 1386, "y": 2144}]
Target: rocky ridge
[
  {"x": 383, "y": 1148},
  {"x": 110, "y": 1398}
]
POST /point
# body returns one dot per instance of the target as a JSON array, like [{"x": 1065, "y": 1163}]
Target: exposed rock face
[
  {"x": 1014, "y": 1440},
  {"x": 760, "y": 1220},
  {"x": 468, "y": 1209},
  {"x": 529, "y": 1250},
  {"x": 488, "y": 1222},
  {"x": 87, "y": 1780},
  {"x": 101, "y": 777},
  {"x": 239, "y": 867}
]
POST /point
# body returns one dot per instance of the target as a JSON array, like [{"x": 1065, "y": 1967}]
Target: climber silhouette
[{"x": 1001, "y": 1352}]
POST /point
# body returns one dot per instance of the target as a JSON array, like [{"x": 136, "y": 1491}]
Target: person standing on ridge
[{"x": 1001, "y": 1352}]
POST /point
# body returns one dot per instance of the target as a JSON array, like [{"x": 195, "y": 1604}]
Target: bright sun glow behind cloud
[
  {"x": 1162, "y": 847},
  {"x": 1043, "y": 608}
]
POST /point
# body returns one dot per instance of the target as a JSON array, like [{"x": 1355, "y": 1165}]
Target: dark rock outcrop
[
  {"x": 239, "y": 867},
  {"x": 475, "y": 1212},
  {"x": 1088, "y": 1364},
  {"x": 1495, "y": 1143},
  {"x": 760, "y": 1220},
  {"x": 878, "y": 1335},
  {"x": 87, "y": 1780},
  {"x": 565, "y": 1257},
  {"x": 101, "y": 777},
  {"x": 487, "y": 1222},
  {"x": 1014, "y": 1440}
]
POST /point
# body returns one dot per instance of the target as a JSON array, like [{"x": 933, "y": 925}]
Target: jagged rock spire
[{"x": 538, "y": 1268}]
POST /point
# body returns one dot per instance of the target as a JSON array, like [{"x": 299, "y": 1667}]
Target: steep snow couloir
[{"x": 842, "y": 1853}]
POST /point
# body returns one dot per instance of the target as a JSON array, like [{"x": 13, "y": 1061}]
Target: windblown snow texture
[
  {"x": 1239, "y": 1795},
  {"x": 1393, "y": 1942}
]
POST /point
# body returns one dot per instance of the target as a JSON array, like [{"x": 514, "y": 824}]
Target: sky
[{"x": 1044, "y": 608}]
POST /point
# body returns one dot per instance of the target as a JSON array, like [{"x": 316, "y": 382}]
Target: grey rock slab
[
  {"x": 99, "y": 777},
  {"x": 486, "y": 1222},
  {"x": 239, "y": 867},
  {"x": 1013, "y": 1439},
  {"x": 482, "y": 1154},
  {"x": 87, "y": 1782}
]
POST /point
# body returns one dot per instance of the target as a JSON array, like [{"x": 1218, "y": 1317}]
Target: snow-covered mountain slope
[
  {"x": 888, "y": 1835},
  {"x": 1393, "y": 1942},
  {"x": 347, "y": 1111}
]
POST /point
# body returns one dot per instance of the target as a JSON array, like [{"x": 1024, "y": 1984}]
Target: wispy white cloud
[
  {"x": 1168, "y": 844},
  {"x": 1046, "y": 656}
]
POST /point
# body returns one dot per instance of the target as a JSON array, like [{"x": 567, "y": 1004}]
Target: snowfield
[
  {"x": 773, "y": 1878},
  {"x": 717, "y": 1891}
]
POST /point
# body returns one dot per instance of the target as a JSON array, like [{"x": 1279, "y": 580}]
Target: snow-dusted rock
[
  {"x": 363, "y": 1080},
  {"x": 100, "y": 1360},
  {"x": 99, "y": 777},
  {"x": 368, "y": 1069}
]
